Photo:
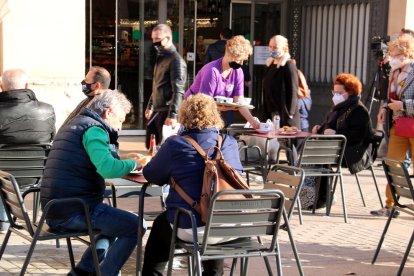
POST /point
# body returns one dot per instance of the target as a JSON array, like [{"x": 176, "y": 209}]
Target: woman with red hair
[{"x": 350, "y": 118}]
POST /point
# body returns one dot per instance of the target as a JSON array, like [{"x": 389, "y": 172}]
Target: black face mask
[
  {"x": 157, "y": 46},
  {"x": 234, "y": 65},
  {"x": 86, "y": 87}
]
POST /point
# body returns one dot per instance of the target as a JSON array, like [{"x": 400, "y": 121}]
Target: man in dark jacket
[
  {"x": 80, "y": 160},
  {"x": 216, "y": 50},
  {"x": 96, "y": 81},
  {"x": 170, "y": 75},
  {"x": 23, "y": 119}
]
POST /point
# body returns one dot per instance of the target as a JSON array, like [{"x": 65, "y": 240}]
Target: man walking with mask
[
  {"x": 169, "y": 77},
  {"x": 96, "y": 81}
]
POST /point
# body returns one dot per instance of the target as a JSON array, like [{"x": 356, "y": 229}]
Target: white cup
[
  {"x": 247, "y": 101},
  {"x": 265, "y": 126}
]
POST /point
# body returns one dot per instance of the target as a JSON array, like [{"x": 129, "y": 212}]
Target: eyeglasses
[{"x": 338, "y": 92}]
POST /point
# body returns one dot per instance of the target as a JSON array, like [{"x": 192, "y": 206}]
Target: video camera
[{"x": 379, "y": 46}]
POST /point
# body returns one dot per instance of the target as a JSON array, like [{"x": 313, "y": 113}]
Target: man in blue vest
[{"x": 84, "y": 153}]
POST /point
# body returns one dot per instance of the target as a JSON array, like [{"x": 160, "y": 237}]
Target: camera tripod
[{"x": 376, "y": 85}]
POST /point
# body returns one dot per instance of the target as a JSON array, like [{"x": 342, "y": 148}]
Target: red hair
[{"x": 351, "y": 83}]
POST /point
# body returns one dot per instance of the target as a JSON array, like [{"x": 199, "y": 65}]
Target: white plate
[
  {"x": 288, "y": 132},
  {"x": 236, "y": 105},
  {"x": 263, "y": 131},
  {"x": 138, "y": 171}
]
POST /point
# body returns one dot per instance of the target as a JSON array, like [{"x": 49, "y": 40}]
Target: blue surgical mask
[{"x": 276, "y": 54}]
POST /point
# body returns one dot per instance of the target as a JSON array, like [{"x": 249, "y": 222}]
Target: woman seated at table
[
  {"x": 350, "y": 118},
  {"x": 177, "y": 158}
]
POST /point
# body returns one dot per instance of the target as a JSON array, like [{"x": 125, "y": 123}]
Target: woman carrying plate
[{"x": 224, "y": 76}]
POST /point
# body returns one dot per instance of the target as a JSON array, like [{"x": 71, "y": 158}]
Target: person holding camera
[{"x": 400, "y": 103}]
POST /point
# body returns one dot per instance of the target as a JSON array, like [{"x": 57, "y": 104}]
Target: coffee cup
[
  {"x": 245, "y": 101},
  {"x": 265, "y": 127}
]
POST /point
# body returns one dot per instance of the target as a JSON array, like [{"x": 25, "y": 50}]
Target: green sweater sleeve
[{"x": 96, "y": 143}]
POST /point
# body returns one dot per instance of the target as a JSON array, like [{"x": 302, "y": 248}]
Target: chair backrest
[
  {"x": 400, "y": 183},
  {"x": 375, "y": 143},
  {"x": 25, "y": 162},
  {"x": 323, "y": 150},
  {"x": 245, "y": 217},
  {"x": 287, "y": 179},
  {"x": 13, "y": 202}
]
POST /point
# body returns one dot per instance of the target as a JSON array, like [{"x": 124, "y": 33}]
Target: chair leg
[
  {"x": 343, "y": 199},
  {"x": 268, "y": 267},
  {"x": 278, "y": 259},
  {"x": 360, "y": 190},
  {"x": 293, "y": 244},
  {"x": 407, "y": 252},
  {"x": 190, "y": 265},
  {"x": 233, "y": 266},
  {"x": 5, "y": 241},
  {"x": 245, "y": 265},
  {"x": 376, "y": 186},
  {"x": 384, "y": 232},
  {"x": 92, "y": 245},
  {"x": 29, "y": 254},
  {"x": 197, "y": 263},
  {"x": 299, "y": 210},
  {"x": 36, "y": 204},
  {"x": 70, "y": 250}
]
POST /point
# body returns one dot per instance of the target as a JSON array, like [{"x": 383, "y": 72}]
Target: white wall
[{"x": 46, "y": 38}]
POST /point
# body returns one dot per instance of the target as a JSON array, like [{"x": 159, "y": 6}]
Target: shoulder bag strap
[
  {"x": 194, "y": 204},
  {"x": 196, "y": 146}
]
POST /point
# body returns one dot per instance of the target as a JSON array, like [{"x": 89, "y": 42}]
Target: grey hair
[
  {"x": 110, "y": 99},
  {"x": 13, "y": 79}
]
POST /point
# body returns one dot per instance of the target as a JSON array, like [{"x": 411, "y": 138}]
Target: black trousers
[
  {"x": 158, "y": 248},
  {"x": 155, "y": 127}
]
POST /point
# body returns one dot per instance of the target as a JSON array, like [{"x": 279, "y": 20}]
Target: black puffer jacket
[
  {"x": 170, "y": 75},
  {"x": 25, "y": 120}
]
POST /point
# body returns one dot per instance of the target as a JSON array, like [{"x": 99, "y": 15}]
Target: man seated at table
[
  {"x": 177, "y": 158},
  {"x": 82, "y": 156}
]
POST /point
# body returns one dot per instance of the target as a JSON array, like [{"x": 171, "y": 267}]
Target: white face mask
[
  {"x": 396, "y": 63},
  {"x": 337, "y": 99}
]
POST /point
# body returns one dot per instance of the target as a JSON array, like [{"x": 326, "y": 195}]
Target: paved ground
[{"x": 327, "y": 245}]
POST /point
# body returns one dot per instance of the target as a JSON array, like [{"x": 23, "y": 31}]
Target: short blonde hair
[
  {"x": 239, "y": 47},
  {"x": 200, "y": 111},
  {"x": 281, "y": 40},
  {"x": 403, "y": 45}
]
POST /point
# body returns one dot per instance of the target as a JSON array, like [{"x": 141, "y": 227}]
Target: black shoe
[
  {"x": 385, "y": 212},
  {"x": 79, "y": 272}
]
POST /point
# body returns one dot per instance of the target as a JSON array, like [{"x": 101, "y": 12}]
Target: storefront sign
[{"x": 260, "y": 55}]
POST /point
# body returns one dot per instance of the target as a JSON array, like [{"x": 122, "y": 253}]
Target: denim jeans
[{"x": 118, "y": 238}]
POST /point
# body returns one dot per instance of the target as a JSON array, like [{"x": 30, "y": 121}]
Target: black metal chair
[
  {"x": 321, "y": 156},
  {"x": 21, "y": 224},
  {"x": 247, "y": 218},
  {"x": 289, "y": 180},
  {"x": 401, "y": 189},
  {"x": 374, "y": 145},
  {"x": 26, "y": 163}
]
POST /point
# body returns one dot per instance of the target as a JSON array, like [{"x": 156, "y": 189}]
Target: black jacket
[
  {"x": 280, "y": 90},
  {"x": 351, "y": 119},
  {"x": 25, "y": 120},
  {"x": 69, "y": 171},
  {"x": 170, "y": 75},
  {"x": 215, "y": 51}
]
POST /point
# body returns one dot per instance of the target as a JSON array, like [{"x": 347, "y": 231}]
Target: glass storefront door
[
  {"x": 118, "y": 38},
  {"x": 258, "y": 22}
]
